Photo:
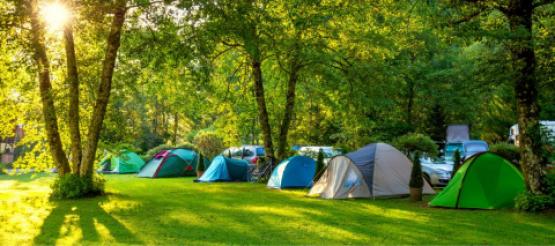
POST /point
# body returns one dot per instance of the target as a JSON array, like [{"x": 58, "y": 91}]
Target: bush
[
  {"x": 507, "y": 151},
  {"x": 209, "y": 143},
  {"x": 413, "y": 143},
  {"x": 153, "y": 151},
  {"x": 2, "y": 168},
  {"x": 416, "y": 173},
  {"x": 535, "y": 203},
  {"x": 71, "y": 186}
]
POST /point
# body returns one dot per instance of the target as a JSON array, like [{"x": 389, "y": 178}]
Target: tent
[
  {"x": 485, "y": 181},
  {"x": 125, "y": 162},
  {"x": 171, "y": 163},
  {"x": 376, "y": 170},
  {"x": 297, "y": 171},
  {"x": 227, "y": 169}
]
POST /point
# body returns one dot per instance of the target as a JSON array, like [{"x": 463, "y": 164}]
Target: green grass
[{"x": 178, "y": 211}]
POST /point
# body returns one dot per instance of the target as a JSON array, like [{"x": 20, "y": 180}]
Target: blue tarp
[
  {"x": 226, "y": 169},
  {"x": 297, "y": 171}
]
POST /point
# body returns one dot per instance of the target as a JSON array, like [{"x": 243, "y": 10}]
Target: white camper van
[{"x": 546, "y": 125}]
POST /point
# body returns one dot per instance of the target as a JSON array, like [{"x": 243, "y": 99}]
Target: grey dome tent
[{"x": 376, "y": 170}]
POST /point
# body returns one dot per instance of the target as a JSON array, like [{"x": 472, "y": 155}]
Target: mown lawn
[{"x": 178, "y": 211}]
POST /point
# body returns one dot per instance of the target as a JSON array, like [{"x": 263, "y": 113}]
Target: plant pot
[
  {"x": 415, "y": 194},
  {"x": 199, "y": 174}
]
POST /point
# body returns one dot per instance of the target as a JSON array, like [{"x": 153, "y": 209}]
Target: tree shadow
[{"x": 95, "y": 223}]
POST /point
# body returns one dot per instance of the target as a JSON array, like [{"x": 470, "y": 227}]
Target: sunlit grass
[{"x": 178, "y": 211}]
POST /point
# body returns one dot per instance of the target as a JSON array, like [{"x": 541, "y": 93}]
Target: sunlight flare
[{"x": 55, "y": 15}]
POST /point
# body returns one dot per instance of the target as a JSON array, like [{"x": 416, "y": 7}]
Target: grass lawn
[{"x": 178, "y": 211}]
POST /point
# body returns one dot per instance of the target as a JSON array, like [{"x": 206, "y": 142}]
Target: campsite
[{"x": 283, "y": 122}]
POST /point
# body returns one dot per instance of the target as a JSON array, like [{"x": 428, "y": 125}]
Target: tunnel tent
[
  {"x": 376, "y": 170},
  {"x": 171, "y": 163},
  {"x": 227, "y": 169},
  {"x": 124, "y": 162},
  {"x": 485, "y": 181},
  {"x": 295, "y": 172}
]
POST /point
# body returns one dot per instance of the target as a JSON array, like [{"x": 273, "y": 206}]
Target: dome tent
[
  {"x": 171, "y": 163},
  {"x": 297, "y": 171},
  {"x": 124, "y": 162},
  {"x": 226, "y": 169},
  {"x": 485, "y": 181},
  {"x": 376, "y": 170}
]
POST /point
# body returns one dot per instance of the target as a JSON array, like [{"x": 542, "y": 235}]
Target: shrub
[
  {"x": 416, "y": 173},
  {"x": 2, "y": 168},
  {"x": 153, "y": 151},
  {"x": 534, "y": 203},
  {"x": 209, "y": 143},
  {"x": 319, "y": 164},
  {"x": 507, "y": 151},
  {"x": 71, "y": 186},
  {"x": 413, "y": 143}
]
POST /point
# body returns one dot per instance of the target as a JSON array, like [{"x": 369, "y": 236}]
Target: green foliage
[
  {"x": 414, "y": 143},
  {"x": 416, "y": 180},
  {"x": 530, "y": 202},
  {"x": 534, "y": 203},
  {"x": 155, "y": 150},
  {"x": 507, "y": 151},
  {"x": 200, "y": 165},
  {"x": 319, "y": 165},
  {"x": 209, "y": 143},
  {"x": 71, "y": 186},
  {"x": 2, "y": 168}
]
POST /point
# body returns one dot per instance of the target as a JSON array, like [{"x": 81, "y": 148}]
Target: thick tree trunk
[
  {"x": 289, "y": 109},
  {"x": 262, "y": 110},
  {"x": 45, "y": 87},
  {"x": 73, "y": 80},
  {"x": 524, "y": 62},
  {"x": 103, "y": 95}
]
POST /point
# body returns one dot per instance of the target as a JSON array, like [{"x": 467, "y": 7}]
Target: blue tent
[
  {"x": 226, "y": 169},
  {"x": 297, "y": 171}
]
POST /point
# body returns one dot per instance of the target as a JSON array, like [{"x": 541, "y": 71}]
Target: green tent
[
  {"x": 124, "y": 162},
  {"x": 171, "y": 163},
  {"x": 485, "y": 181}
]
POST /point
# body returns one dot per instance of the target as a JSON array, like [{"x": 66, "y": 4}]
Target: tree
[
  {"x": 519, "y": 15},
  {"x": 81, "y": 167}
]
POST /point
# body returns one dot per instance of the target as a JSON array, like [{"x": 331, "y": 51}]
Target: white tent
[{"x": 376, "y": 170}]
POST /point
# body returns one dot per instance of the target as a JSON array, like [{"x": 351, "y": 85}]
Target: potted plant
[
  {"x": 413, "y": 144},
  {"x": 416, "y": 182},
  {"x": 200, "y": 166}
]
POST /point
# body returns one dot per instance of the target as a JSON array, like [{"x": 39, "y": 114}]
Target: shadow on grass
[{"x": 86, "y": 215}]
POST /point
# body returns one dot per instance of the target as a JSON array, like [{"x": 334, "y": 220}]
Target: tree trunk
[
  {"x": 73, "y": 80},
  {"x": 289, "y": 110},
  {"x": 524, "y": 62},
  {"x": 262, "y": 110},
  {"x": 45, "y": 87},
  {"x": 175, "y": 127},
  {"x": 103, "y": 95},
  {"x": 410, "y": 100}
]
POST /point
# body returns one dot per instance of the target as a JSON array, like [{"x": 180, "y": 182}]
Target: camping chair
[{"x": 262, "y": 172}]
